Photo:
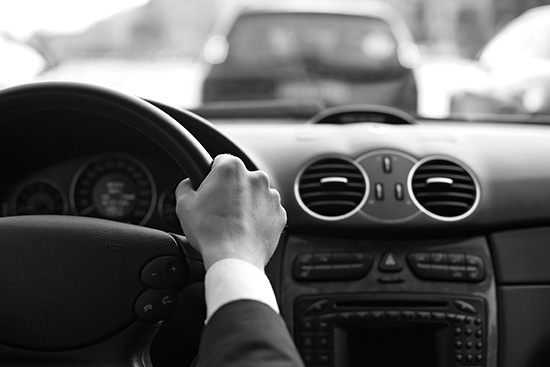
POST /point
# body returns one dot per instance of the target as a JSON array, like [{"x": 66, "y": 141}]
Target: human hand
[{"x": 233, "y": 214}]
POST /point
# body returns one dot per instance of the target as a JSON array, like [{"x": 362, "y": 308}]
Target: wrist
[{"x": 212, "y": 257}]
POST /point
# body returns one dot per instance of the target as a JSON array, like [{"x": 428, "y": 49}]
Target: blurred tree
[
  {"x": 506, "y": 10},
  {"x": 471, "y": 34}
]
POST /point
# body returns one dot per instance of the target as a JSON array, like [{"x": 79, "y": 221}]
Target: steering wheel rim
[
  {"x": 140, "y": 115},
  {"x": 40, "y": 243}
]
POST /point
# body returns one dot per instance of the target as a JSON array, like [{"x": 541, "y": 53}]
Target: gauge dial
[
  {"x": 116, "y": 187},
  {"x": 40, "y": 197}
]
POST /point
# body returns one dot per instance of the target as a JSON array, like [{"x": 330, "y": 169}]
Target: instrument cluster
[{"x": 114, "y": 186}]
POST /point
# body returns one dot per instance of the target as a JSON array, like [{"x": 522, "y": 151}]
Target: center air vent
[
  {"x": 443, "y": 189},
  {"x": 332, "y": 188}
]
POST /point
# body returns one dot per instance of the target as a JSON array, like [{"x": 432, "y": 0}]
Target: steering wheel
[{"x": 78, "y": 290}]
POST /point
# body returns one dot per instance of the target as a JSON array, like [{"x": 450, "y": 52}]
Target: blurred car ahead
[
  {"x": 337, "y": 57},
  {"x": 515, "y": 67}
]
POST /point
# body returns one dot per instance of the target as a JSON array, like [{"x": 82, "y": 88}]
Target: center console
[{"x": 383, "y": 304}]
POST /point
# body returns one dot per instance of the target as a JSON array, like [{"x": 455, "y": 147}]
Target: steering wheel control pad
[
  {"x": 63, "y": 274},
  {"x": 163, "y": 272},
  {"x": 156, "y": 305}
]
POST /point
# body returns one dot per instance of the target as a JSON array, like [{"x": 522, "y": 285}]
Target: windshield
[{"x": 454, "y": 59}]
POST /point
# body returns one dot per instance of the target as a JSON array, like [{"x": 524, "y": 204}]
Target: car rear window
[{"x": 309, "y": 40}]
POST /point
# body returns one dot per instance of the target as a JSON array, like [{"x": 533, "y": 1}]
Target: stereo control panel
[{"x": 455, "y": 326}]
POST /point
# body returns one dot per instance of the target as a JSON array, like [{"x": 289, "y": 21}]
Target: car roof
[{"x": 367, "y": 8}]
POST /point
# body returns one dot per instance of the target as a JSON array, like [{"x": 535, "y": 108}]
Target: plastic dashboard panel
[{"x": 510, "y": 162}]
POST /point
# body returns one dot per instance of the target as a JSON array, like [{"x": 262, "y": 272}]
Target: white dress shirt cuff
[{"x": 231, "y": 280}]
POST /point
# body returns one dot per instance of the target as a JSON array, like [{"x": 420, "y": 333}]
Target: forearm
[{"x": 247, "y": 333}]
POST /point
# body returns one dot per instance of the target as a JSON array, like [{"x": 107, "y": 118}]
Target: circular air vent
[
  {"x": 332, "y": 188},
  {"x": 443, "y": 189}
]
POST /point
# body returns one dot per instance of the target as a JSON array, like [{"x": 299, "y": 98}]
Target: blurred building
[
  {"x": 161, "y": 28},
  {"x": 179, "y": 28}
]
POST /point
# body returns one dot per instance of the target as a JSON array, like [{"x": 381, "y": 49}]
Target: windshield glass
[{"x": 479, "y": 59}]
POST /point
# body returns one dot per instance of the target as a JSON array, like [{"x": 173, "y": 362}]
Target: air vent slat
[
  {"x": 439, "y": 168},
  {"x": 455, "y": 186},
  {"x": 331, "y": 188},
  {"x": 355, "y": 186},
  {"x": 444, "y": 204},
  {"x": 330, "y": 166},
  {"x": 425, "y": 196},
  {"x": 333, "y": 203},
  {"x": 422, "y": 177},
  {"x": 444, "y": 189},
  {"x": 307, "y": 197},
  {"x": 318, "y": 176}
]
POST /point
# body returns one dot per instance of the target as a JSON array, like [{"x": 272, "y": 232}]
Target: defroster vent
[
  {"x": 444, "y": 189},
  {"x": 332, "y": 188}
]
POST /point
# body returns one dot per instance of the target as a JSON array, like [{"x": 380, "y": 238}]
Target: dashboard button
[
  {"x": 457, "y": 272},
  {"x": 324, "y": 358},
  {"x": 420, "y": 268},
  {"x": 438, "y": 258},
  {"x": 321, "y": 258},
  {"x": 422, "y": 257},
  {"x": 455, "y": 259},
  {"x": 379, "y": 191},
  {"x": 398, "y": 190},
  {"x": 466, "y": 307},
  {"x": 324, "y": 322},
  {"x": 423, "y": 315},
  {"x": 307, "y": 340},
  {"x": 341, "y": 258},
  {"x": 439, "y": 272},
  {"x": 387, "y": 164},
  {"x": 323, "y": 340},
  {"x": 308, "y": 324},
  {"x": 474, "y": 273},
  {"x": 305, "y": 259},
  {"x": 308, "y": 357},
  {"x": 390, "y": 263},
  {"x": 332, "y": 266}
]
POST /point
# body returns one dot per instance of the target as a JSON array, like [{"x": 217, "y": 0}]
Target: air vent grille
[
  {"x": 444, "y": 189},
  {"x": 332, "y": 187}
]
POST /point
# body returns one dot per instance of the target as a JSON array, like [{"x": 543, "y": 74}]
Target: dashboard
[{"x": 431, "y": 228}]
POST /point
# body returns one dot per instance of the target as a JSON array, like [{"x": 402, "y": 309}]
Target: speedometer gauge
[{"x": 116, "y": 187}]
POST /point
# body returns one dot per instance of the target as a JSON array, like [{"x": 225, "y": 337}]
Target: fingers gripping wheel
[{"x": 74, "y": 283}]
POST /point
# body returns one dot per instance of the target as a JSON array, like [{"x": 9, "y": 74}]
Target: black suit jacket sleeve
[{"x": 247, "y": 334}]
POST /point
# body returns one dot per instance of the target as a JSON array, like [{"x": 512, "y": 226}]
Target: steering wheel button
[
  {"x": 163, "y": 272},
  {"x": 156, "y": 305}
]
